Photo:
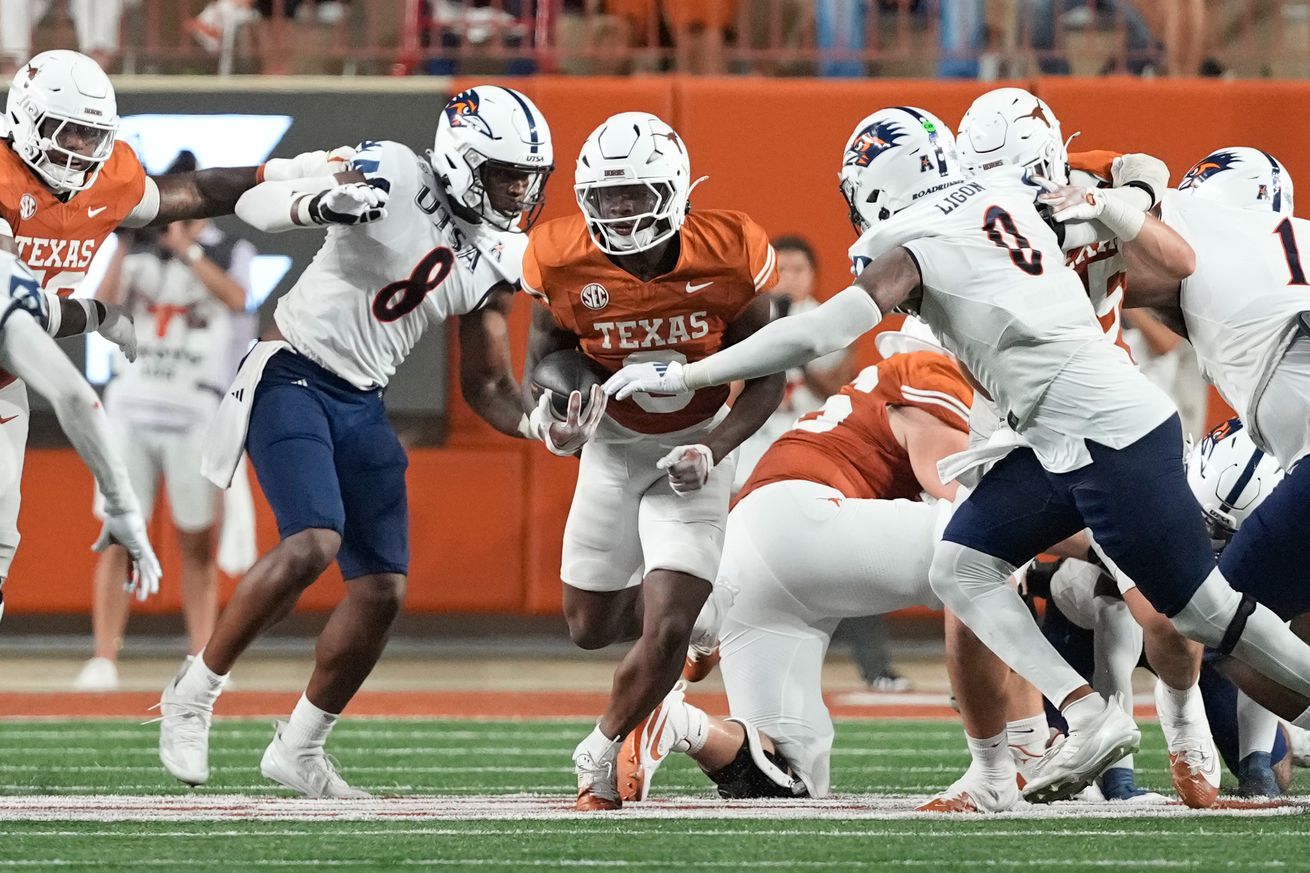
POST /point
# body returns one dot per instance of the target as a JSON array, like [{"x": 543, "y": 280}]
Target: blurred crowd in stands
[{"x": 988, "y": 39}]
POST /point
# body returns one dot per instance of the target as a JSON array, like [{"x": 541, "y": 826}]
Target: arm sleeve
[
  {"x": 272, "y": 206},
  {"x": 146, "y": 209},
  {"x": 28, "y": 353},
  {"x": 761, "y": 259},
  {"x": 934, "y": 385},
  {"x": 790, "y": 342},
  {"x": 1098, "y": 162}
]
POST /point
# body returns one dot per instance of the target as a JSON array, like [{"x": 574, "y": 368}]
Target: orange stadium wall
[{"x": 487, "y": 512}]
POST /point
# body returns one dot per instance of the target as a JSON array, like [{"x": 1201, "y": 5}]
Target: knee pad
[
  {"x": 961, "y": 572},
  {"x": 1215, "y": 615},
  {"x": 755, "y": 773}
]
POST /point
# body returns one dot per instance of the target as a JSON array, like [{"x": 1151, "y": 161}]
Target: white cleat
[
  {"x": 97, "y": 674},
  {"x": 598, "y": 785},
  {"x": 184, "y": 732},
  {"x": 1298, "y": 744},
  {"x": 973, "y": 793},
  {"x": 1074, "y": 763},
  {"x": 1193, "y": 758},
  {"x": 306, "y": 770}
]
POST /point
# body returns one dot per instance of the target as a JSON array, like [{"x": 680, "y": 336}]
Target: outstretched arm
[
  {"x": 787, "y": 342},
  {"x": 760, "y": 396}
]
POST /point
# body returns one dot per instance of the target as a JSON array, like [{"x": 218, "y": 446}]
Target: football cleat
[
  {"x": 973, "y": 793},
  {"x": 1074, "y": 763},
  {"x": 184, "y": 732},
  {"x": 700, "y": 662},
  {"x": 1117, "y": 783},
  {"x": 598, "y": 787},
  {"x": 97, "y": 674},
  {"x": 307, "y": 770},
  {"x": 1255, "y": 777},
  {"x": 1193, "y": 758},
  {"x": 1298, "y": 744},
  {"x": 650, "y": 742}
]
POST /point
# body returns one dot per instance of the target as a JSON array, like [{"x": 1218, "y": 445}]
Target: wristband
[
  {"x": 54, "y": 312},
  {"x": 193, "y": 253},
  {"x": 525, "y": 427},
  {"x": 1123, "y": 220}
]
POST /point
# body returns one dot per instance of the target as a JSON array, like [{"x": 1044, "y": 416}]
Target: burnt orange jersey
[
  {"x": 725, "y": 260},
  {"x": 849, "y": 445},
  {"x": 56, "y": 239}
]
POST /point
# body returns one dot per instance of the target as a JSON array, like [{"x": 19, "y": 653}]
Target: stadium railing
[{"x": 953, "y": 38}]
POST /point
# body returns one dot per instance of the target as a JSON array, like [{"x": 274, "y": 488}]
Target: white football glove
[
  {"x": 566, "y": 437},
  {"x": 689, "y": 468},
  {"x": 129, "y": 530},
  {"x": 1146, "y": 170},
  {"x": 307, "y": 165},
  {"x": 117, "y": 327},
  {"x": 1070, "y": 202},
  {"x": 648, "y": 377},
  {"x": 355, "y": 203}
]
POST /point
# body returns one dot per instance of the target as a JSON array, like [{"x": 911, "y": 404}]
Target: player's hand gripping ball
[{"x": 571, "y": 402}]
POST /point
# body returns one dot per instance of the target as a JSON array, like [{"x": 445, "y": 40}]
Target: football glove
[
  {"x": 129, "y": 530},
  {"x": 307, "y": 165},
  {"x": 648, "y": 377},
  {"x": 355, "y": 203},
  {"x": 689, "y": 468},
  {"x": 566, "y": 437},
  {"x": 1144, "y": 171},
  {"x": 117, "y": 327}
]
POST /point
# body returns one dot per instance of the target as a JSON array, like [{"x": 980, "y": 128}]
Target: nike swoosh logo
[
  {"x": 692, "y": 289},
  {"x": 6, "y": 420},
  {"x": 92, "y": 213}
]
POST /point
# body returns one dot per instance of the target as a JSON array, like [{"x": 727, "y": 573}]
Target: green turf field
[{"x": 455, "y": 765}]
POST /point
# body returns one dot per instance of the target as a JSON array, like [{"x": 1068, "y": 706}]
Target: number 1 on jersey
[{"x": 1292, "y": 253}]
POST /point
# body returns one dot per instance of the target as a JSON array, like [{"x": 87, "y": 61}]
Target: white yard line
[{"x": 536, "y": 807}]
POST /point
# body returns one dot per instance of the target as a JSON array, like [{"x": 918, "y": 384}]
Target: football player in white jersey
[
  {"x": 1235, "y": 207},
  {"x": 1100, "y": 442},
  {"x": 30, "y": 354},
  {"x": 412, "y": 241},
  {"x": 1011, "y": 127}
]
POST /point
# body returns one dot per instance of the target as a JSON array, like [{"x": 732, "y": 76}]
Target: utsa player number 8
[
  {"x": 998, "y": 223},
  {"x": 400, "y": 298}
]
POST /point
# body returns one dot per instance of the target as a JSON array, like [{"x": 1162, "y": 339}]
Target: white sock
[
  {"x": 697, "y": 730},
  {"x": 992, "y": 757},
  {"x": 1125, "y": 761},
  {"x": 1029, "y": 734},
  {"x": 1083, "y": 710},
  {"x": 1179, "y": 707},
  {"x": 598, "y": 746},
  {"x": 308, "y": 726},
  {"x": 200, "y": 681},
  {"x": 1256, "y": 727}
]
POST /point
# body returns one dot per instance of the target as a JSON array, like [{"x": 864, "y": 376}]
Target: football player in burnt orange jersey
[
  {"x": 635, "y": 277},
  {"x": 65, "y": 184},
  {"x": 830, "y": 525}
]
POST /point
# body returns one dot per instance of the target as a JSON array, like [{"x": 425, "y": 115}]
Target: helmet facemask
[
  {"x": 507, "y": 196},
  {"x": 68, "y": 153},
  {"x": 629, "y": 217}
]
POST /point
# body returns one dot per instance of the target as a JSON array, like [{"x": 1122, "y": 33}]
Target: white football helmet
[
  {"x": 62, "y": 117},
  {"x": 633, "y": 182},
  {"x": 1243, "y": 177},
  {"x": 1013, "y": 127},
  {"x": 895, "y": 156},
  {"x": 488, "y": 129},
  {"x": 1230, "y": 475}
]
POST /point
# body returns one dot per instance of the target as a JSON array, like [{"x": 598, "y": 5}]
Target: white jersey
[
  {"x": 997, "y": 292},
  {"x": 1241, "y": 304},
  {"x": 373, "y": 289}
]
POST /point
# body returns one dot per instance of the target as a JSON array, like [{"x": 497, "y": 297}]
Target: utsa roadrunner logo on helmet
[
  {"x": 1213, "y": 163},
  {"x": 462, "y": 111},
  {"x": 873, "y": 141},
  {"x": 1230, "y": 476}
]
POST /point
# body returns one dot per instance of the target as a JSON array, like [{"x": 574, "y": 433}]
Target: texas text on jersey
[
  {"x": 849, "y": 444},
  {"x": 56, "y": 238},
  {"x": 724, "y": 262}
]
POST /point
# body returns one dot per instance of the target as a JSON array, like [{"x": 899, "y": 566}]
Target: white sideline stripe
[
  {"x": 539, "y": 807},
  {"x": 864, "y": 833}
]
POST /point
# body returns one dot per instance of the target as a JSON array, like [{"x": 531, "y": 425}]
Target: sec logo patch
[
  {"x": 594, "y": 296},
  {"x": 27, "y": 206}
]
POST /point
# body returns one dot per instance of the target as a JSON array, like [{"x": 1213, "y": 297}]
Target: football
[{"x": 562, "y": 373}]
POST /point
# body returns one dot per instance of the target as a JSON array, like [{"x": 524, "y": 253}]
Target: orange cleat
[
  {"x": 1195, "y": 775},
  {"x": 650, "y": 743},
  {"x": 961, "y": 802},
  {"x": 589, "y": 801},
  {"x": 700, "y": 663}
]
